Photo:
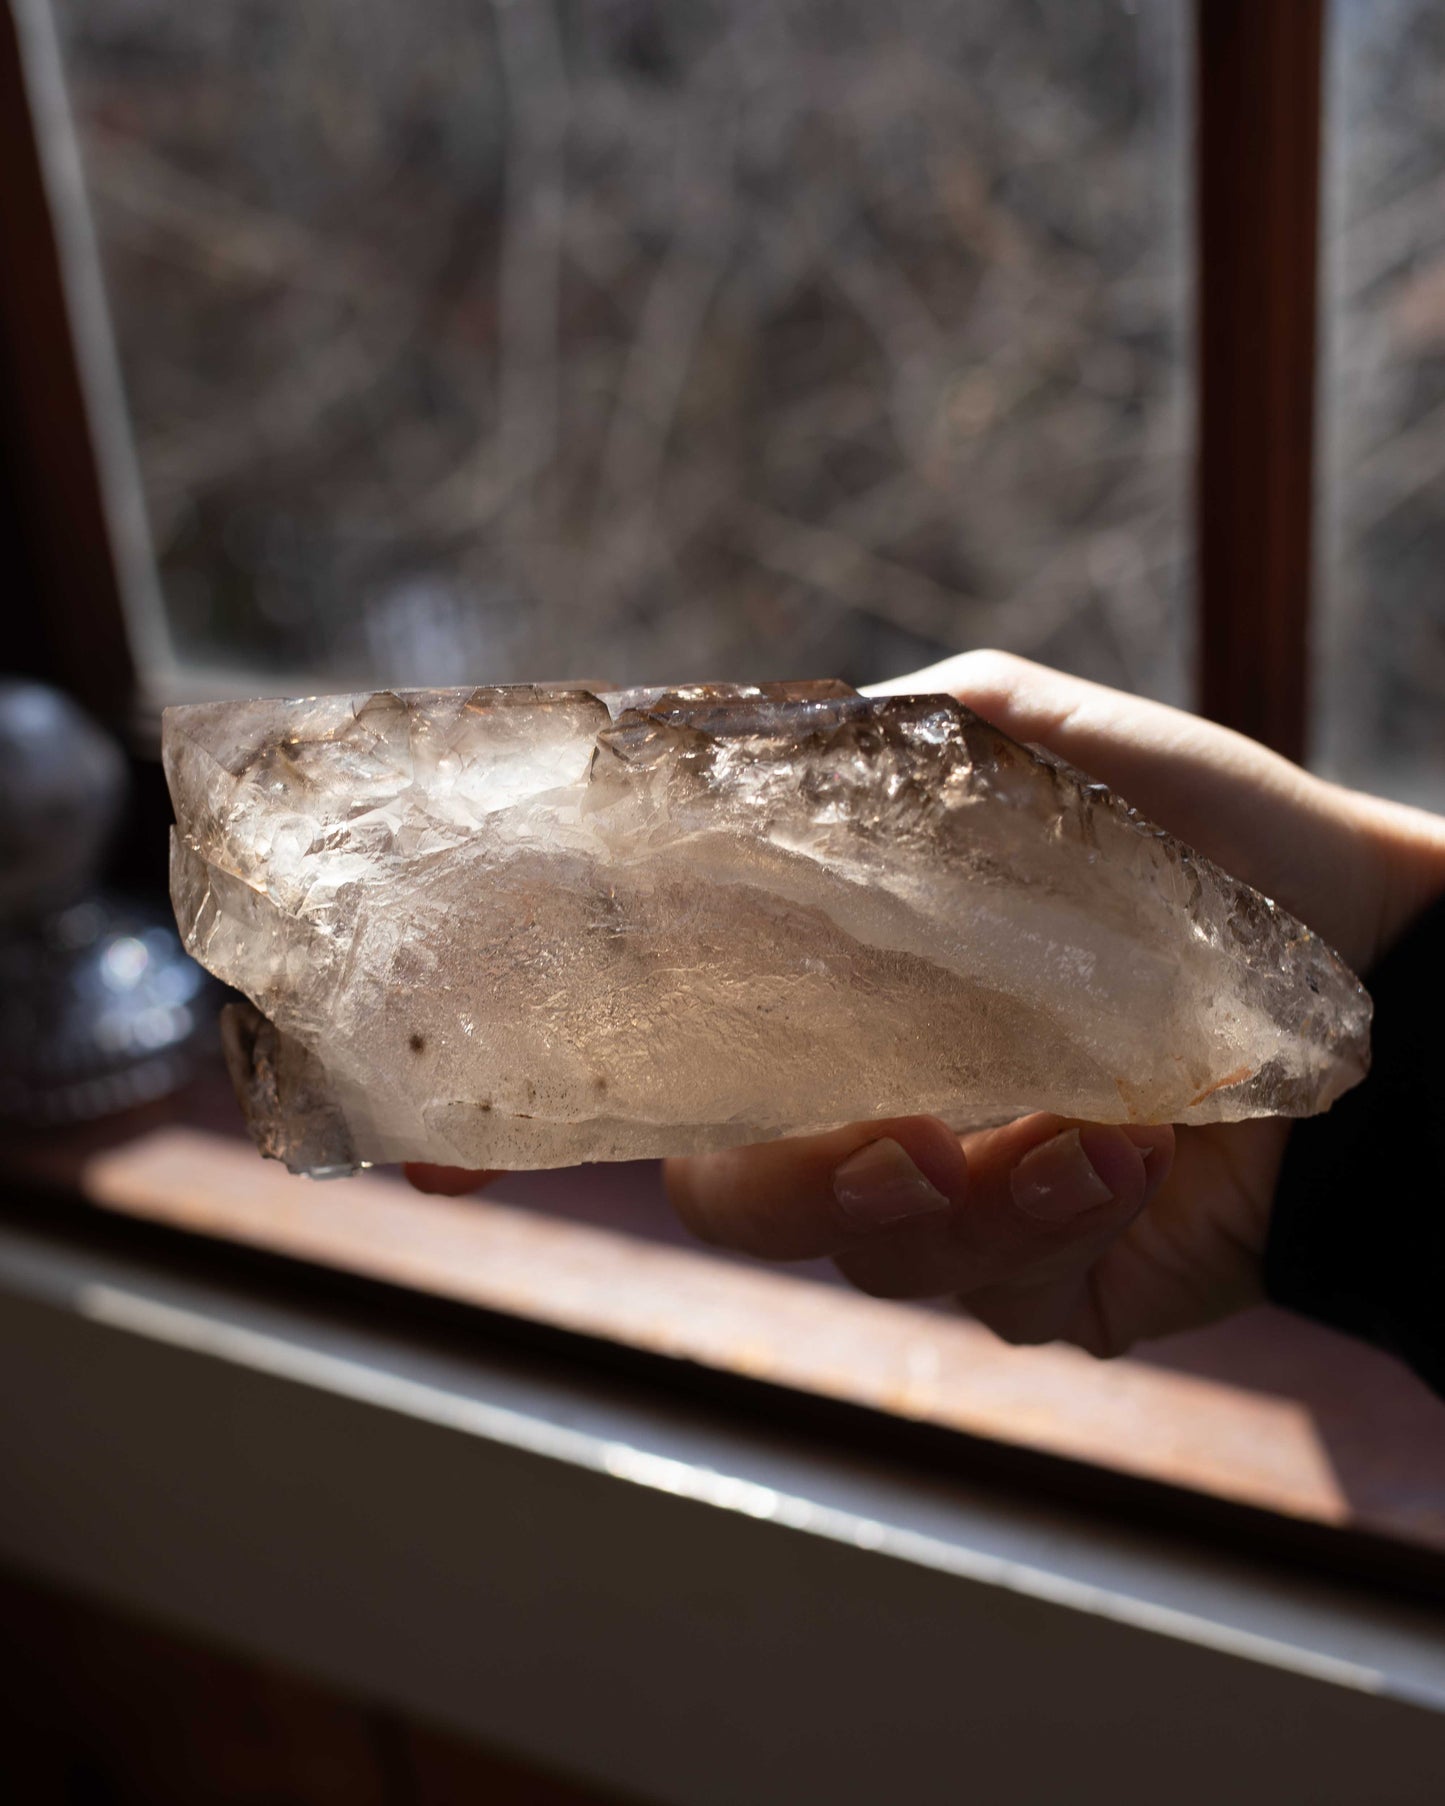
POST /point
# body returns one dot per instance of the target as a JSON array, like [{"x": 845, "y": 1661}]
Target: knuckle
[
  {"x": 991, "y": 667},
  {"x": 1007, "y": 1325},
  {"x": 874, "y": 1280},
  {"x": 693, "y": 1210},
  {"x": 1100, "y": 1343},
  {"x": 706, "y": 1229}
]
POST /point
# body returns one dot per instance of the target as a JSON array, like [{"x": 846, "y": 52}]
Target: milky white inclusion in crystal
[{"x": 526, "y": 926}]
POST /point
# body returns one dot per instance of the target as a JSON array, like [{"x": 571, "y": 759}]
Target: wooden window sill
[{"x": 1267, "y": 1425}]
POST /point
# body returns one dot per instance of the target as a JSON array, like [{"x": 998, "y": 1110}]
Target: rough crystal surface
[{"x": 525, "y": 926}]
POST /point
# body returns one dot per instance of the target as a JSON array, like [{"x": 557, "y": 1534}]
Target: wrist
[{"x": 1405, "y": 849}]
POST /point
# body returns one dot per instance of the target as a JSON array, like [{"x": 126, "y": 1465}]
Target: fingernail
[
  {"x": 880, "y": 1185},
  {"x": 1058, "y": 1180},
  {"x": 1148, "y": 1141}
]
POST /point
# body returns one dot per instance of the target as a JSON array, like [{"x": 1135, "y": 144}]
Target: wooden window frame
[
  {"x": 57, "y": 524},
  {"x": 1258, "y": 85}
]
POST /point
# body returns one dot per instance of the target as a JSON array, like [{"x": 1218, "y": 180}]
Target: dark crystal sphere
[
  {"x": 100, "y": 1008},
  {"x": 62, "y": 784}
]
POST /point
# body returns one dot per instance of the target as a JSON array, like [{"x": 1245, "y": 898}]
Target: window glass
[
  {"x": 1381, "y": 640},
  {"x": 648, "y": 339}
]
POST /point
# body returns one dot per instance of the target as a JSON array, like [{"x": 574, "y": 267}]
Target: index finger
[{"x": 1251, "y": 811}]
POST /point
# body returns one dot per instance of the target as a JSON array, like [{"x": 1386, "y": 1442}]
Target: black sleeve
[{"x": 1357, "y": 1237}]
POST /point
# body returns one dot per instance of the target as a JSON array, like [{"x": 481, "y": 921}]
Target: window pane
[
  {"x": 1381, "y": 676},
  {"x": 648, "y": 338}
]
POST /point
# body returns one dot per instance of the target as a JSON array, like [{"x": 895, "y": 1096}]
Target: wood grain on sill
[{"x": 1266, "y": 1413}]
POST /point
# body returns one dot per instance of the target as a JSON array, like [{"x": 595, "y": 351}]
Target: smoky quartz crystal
[{"x": 527, "y": 926}]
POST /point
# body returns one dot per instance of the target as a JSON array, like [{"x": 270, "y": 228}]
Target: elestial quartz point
[{"x": 525, "y": 926}]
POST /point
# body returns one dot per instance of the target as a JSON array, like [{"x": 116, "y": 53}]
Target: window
[
  {"x": 1382, "y": 640},
  {"x": 723, "y": 338},
  {"x": 645, "y": 339}
]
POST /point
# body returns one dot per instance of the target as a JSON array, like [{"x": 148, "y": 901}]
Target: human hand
[{"x": 1047, "y": 1229}]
